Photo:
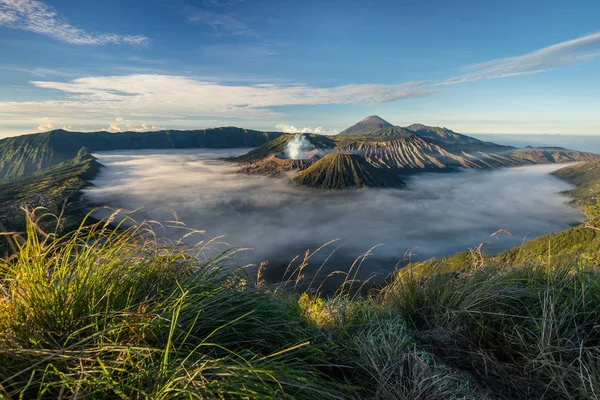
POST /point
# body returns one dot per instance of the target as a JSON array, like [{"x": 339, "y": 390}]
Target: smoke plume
[{"x": 298, "y": 147}]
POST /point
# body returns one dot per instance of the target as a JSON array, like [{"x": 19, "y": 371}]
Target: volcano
[
  {"x": 345, "y": 171},
  {"x": 374, "y": 126}
]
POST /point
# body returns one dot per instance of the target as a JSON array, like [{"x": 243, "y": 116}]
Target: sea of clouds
[{"x": 437, "y": 215}]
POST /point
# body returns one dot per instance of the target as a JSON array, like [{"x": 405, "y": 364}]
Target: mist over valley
[{"x": 437, "y": 215}]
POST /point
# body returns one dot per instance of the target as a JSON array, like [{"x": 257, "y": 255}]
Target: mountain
[
  {"x": 414, "y": 153},
  {"x": 377, "y": 126},
  {"x": 444, "y": 135},
  {"x": 55, "y": 188},
  {"x": 344, "y": 171},
  {"x": 53, "y": 185},
  {"x": 373, "y": 126},
  {"x": 414, "y": 149},
  {"x": 27, "y": 154}
]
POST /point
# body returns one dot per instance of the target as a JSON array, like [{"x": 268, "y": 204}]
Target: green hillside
[
  {"x": 51, "y": 184},
  {"x": 52, "y": 188},
  {"x": 30, "y": 153},
  {"x": 586, "y": 177},
  {"x": 344, "y": 171}
]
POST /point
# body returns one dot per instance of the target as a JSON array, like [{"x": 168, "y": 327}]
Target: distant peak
[{"x": 375, "y": 120}]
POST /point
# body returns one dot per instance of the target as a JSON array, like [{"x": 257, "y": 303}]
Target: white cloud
[
  {"x": 170, "y": 96},
  {"x": 45, "y": 127},
  {"x": 561, "y": 54},
  {"x": 142, "y": 97},
  {"x": 47, "y": 124},
  {"x": 292, "y": 129},
  {"x": 35, "y": 16},
  {"x": 123, "y": 125}
]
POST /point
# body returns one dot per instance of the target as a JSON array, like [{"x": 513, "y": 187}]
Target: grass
[
  {"x": 117, "y": 312},
  {"x": 527, "y": 332},
  {"x": 108, "y": 313}
]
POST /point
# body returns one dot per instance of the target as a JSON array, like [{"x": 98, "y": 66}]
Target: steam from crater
[{"x": 298, "y": 147}]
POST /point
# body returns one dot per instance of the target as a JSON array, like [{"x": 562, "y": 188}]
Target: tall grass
[
  {"x": 528, "y": 332},
  {"x": 109, "y": 312}
]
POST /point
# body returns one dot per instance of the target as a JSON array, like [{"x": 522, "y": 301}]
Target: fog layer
[{"x": 437, "y": 215}]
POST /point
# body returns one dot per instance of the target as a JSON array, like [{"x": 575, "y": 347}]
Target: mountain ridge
[
  {"x": 374, "y": 125},
  {"x": 27, "y": 154},
  {"x": 404, "y": 151}
]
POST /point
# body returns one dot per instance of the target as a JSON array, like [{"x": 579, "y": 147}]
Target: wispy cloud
[
  {"x": 35, "y": 16},
  {"x": 179, "y": 96},
  {"x": 40, "y": 72},
  {"x": 222, "y": 23},
  {"x": 561, "y": 54}
]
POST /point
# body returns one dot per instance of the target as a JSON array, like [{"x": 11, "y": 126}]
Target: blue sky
[{"x": 473, "y": 66}]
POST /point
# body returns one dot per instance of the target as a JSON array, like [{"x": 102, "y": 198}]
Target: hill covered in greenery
[
  {"x": 55, "y": 188},
  {"x": 586, "y": 177},
  {"x": 26, "y": 154}
]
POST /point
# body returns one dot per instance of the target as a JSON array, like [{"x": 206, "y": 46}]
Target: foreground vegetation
[
  {"x": 114, "y": 312},
  {"x": 93, "y": 310}
]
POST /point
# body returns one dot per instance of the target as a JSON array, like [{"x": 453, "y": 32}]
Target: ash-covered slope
[
  {"x": 345, "y": 171},
  {"x": 414, "y": 153}
]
